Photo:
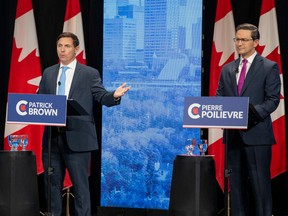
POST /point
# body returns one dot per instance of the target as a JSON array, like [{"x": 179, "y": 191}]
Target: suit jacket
[
  {"x": 262, "y": 86},
  {"x": 86, "y": 89}
]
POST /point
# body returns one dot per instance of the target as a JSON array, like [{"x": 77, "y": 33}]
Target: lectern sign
[
  {"x": 216, "y": 112},
  {"x": 39, "y": 109}
]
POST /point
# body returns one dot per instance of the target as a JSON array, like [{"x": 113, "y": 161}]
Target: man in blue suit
[
  {"x": 249, "y": 151},
  {"x": 71, "y": 146}
]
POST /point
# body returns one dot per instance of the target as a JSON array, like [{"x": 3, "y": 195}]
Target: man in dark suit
[
  {"x": 71, "y": 146},
  {"x": 249, "y": 151}
]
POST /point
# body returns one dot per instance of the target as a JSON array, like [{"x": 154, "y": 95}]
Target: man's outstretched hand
[{"x": 121, "y": 90}]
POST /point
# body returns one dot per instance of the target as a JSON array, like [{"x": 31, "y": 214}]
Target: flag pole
[
  {"x": 227, "y": 173},
  {"x": 50, "y": 172}
]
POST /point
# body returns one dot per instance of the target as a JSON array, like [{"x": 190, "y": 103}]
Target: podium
[
  {"x": 18, "y": 184},
  {"x": 193, "y": 189},
  {"x": 42, "y": 109},
  {"x": 219, "y": 112}
]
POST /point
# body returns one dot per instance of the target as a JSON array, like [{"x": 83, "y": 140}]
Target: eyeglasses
[{"x": 243, "y": 40}]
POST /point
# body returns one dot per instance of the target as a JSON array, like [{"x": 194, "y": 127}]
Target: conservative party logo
[
  {"x": 21, "y": 107},
  {"x": 222, "y": 112},
  {"x": 193, "y": 111},
  {"x": 37, "y": 109}
]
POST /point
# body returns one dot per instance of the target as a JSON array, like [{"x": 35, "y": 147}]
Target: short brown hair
[
  {"x": 69, "y": 35},
  {"x": 247, "y": 26}
]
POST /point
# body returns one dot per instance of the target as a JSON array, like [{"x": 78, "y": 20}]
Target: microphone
[
  {"x": 236, "y": 71},
  {"x": 59, "y": 83}
]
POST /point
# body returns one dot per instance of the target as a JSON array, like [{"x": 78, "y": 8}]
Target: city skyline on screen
[{"x": 154, "y": 46}]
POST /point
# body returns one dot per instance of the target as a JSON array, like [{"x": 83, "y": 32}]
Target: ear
[
  {"x": 256, "y": 43},
  {"x": 77, "y": 49}
]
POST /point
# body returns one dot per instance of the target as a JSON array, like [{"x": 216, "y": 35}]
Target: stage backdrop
[{"x": 154, "y": 46}]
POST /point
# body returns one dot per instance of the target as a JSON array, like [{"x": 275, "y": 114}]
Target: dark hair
[
  {"x": 247, "y": 26},
  {"x": 69, "y": 35}
]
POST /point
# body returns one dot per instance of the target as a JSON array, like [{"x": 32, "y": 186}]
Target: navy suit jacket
[
  {"x": 262, "y": 86},
  {"x": 86, "y": 89}
]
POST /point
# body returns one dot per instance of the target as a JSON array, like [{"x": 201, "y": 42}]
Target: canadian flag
[
  {"x": 269, "y": 48},
  {"x": 25, "y": 74},
  {"x": 223, "y": 51},
  {"x": 73, "y": 23}
]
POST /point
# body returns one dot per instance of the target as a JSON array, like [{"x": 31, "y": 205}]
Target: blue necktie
[
  {"x": 242, "y": 76},
  {"x": 61, "y": 83}
]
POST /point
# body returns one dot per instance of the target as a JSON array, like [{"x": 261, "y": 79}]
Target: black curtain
[
  {"x": 49, "y": 17},
  {"x": 7, "y": 19}
]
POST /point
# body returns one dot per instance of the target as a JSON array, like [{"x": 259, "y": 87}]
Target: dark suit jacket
[
  {"x": 86, "y": 89},
  {"x": 262, "y": 86}
]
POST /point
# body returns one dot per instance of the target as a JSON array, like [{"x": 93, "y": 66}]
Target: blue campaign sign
[
  {"x": 216, "y": 112},
  {"x": 39, "y": 109}
]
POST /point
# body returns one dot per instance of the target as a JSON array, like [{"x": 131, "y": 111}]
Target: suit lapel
[
  {"x": 75, "y": 80},
  {"x": 233, "y": 76},
  {"x": 54, "y": 82},
  {"x": 253, "y": 70}
]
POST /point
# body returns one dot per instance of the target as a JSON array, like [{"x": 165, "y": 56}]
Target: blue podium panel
[
  {"x": 216, "y": 112},
  {"x": 18, "y": 184},
  {"x": 39, "y": 109}
]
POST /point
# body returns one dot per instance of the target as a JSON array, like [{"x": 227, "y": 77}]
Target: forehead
[
  {"x": 65, "y": 40},
  {"x": 243, "y": 33}
]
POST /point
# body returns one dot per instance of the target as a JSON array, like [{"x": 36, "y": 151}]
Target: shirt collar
[
  {"x": 250, "y": 59},
  {"x": 72, "y": 65}
]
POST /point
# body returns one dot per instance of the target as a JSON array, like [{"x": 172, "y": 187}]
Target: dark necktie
[
  {"x": 62, "y": 81},
  {"x": 242, "y": 76}
]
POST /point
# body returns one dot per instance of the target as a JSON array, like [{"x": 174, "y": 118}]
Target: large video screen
[{"x": 155, "y": 47}]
